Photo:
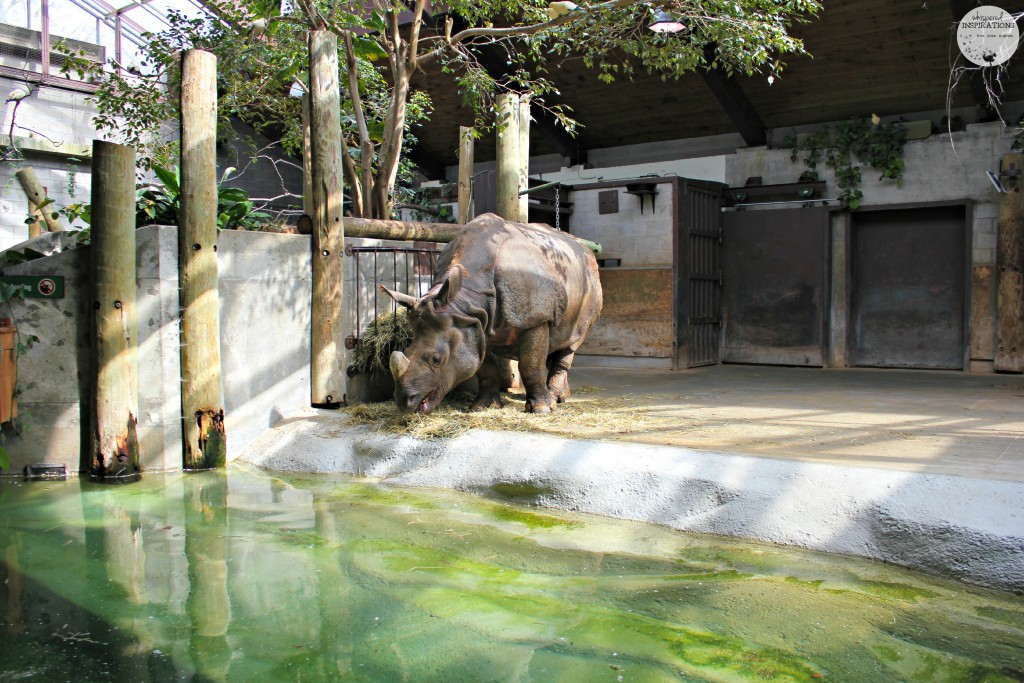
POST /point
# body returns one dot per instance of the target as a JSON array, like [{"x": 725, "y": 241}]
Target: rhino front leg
[
  {"x": 533, "y": 368},
  {"x": 559, "y": 364},
  {"x": 489, "y": 378}
]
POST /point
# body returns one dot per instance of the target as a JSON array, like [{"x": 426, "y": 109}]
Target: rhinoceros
[{"x": 512, "y": 290}]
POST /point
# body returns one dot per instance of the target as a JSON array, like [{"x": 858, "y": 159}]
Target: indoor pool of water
[{"x": 250, "y": 576}]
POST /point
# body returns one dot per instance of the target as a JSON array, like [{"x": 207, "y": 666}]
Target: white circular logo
[{"x": 987, "y": 35}]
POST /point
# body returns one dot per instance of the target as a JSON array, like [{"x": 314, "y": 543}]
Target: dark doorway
[
  {"x": 774, "y": 264},
  {"x": 909, "y": 277}
]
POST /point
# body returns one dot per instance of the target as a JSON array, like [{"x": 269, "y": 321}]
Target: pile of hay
[
  {"x": 584, "y": 416},
  {"x": 389, "y": 332}
]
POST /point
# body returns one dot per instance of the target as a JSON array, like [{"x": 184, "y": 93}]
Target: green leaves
[
  {"x": 880, "y": 146},
  {"x": 160, "y": 204},
  {"x": 10, "y": 291},
  {"x": 368, "y": 49}
]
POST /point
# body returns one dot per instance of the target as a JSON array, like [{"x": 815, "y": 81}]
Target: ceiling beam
[
  {"x": 975, "y": 77},
  {"x": 730, "y": 96}
]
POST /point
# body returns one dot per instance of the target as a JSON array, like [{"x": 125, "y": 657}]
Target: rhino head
[{"x": 444, "y": 351}]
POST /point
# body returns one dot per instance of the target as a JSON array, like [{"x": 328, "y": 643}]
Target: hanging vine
[{"x": 847, "y": 145}]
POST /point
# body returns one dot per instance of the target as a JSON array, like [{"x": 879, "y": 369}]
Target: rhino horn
[
  {"x": 399, "y": 364},
  {"x": 399, "y": 297}
]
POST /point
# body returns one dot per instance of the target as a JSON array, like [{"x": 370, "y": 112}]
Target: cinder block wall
[
  {"x": 265, "y": 285},
  {"x": 638, "y": 239}
]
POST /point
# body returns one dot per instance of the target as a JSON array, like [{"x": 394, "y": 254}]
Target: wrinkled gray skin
[{"x": 511, "y": 290}]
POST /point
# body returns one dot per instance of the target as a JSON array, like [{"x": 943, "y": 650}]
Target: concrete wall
[{"x": 265, "y": 285}]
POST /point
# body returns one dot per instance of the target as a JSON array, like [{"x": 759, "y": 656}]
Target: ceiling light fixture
[{"x": 665, "y": 23}]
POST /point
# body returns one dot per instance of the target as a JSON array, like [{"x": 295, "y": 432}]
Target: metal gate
[
  {"x": 700, "y": 275},
  {"x": 774, "y": 270},
  {"x": 403, "y": 269},
  {"x": 909, "y": 280}
]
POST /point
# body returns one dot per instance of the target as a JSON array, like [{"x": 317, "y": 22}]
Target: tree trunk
[
  {"x": 114, "y": 415},
  {"x": 328, "y": 378},
  {"x": 202, "y": 393}
]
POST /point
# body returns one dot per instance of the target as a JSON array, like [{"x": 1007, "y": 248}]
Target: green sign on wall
[{"x": 34, "y": 286}]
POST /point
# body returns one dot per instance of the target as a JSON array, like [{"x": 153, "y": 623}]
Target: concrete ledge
[{"x": 931, "y": 523}]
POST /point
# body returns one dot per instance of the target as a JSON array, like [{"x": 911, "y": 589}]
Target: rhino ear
[
  {"x": 448, "y": 288},
  {"x": 400, "y": 298}
]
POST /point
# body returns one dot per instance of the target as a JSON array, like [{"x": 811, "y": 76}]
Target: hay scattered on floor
[{"x": 581, "y": 417}]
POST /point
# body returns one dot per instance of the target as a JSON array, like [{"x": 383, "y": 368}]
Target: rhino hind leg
[
  {"x": 559, "y": 364},
  {"x": 533, "y": 368},
  {"x": 489, "y": 379}
]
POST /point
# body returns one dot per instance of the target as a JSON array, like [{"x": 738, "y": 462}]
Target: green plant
[
  {"x": 848, "y": 144},
  {"x": 160, "y": 203}
]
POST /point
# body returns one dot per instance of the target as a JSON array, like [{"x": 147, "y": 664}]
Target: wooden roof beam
[{"x": 730, "y": 96}]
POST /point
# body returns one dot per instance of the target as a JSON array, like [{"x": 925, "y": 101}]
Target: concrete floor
[{"x": 934, "y": 422}]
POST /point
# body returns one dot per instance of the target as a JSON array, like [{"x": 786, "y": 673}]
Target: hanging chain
[{"x": 558, "y": 212}]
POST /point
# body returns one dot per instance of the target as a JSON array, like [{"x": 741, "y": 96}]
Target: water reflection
[{"x": 243, "y": 576}]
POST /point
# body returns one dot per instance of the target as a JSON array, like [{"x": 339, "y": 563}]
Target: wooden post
[
  {"x": 202, "y": 394},
  {"x": 1009, "y": 356},
  {"x": 465, "y": 174},
  {"x": 508, "y": 158},
  {"x": 37, "y": 198},
  {"x": 114, "y": 451},
  {"x": 523, "y": 114},
  {"x": 327, "y": 374}
]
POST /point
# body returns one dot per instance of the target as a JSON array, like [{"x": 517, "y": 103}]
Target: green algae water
[{"x": 247, "y": 576}]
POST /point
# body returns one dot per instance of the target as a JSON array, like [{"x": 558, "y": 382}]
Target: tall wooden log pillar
[
  {"x": 465, "y": 174},
  {"x": 114, "y": 452},
  {"x": 523, "y": 123},
  {"x": 327, "y": 372},
  {"x": 202, "y": 393},
  {"x": 1009, "y": 356},
  {"x": 507, "y": 153}
]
